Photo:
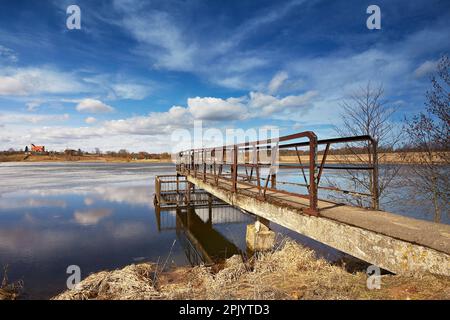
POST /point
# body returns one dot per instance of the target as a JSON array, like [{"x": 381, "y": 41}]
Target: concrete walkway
[{"x": 393, "y": 242}]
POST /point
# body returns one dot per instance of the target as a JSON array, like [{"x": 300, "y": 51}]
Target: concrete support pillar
[
  {"x": 188, "y": 193},
  {"x": 209, "y": 209},
  {"x": 158, "y": 217},
  {"x": 259, "y": 237},
  {"x": 210, "y": 199}
]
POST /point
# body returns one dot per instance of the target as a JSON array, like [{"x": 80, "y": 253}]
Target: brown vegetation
[
  {"x": 21, "y": 157},
  {"x": 290, "y": 272},
  {"x": 9, "y": 291},
  {"x": 388, "y": 158},
  {"x": 385, "y": 158}
]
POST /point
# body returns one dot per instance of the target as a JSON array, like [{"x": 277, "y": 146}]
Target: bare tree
[
  {"x": 366, "y": 113},
  {"x": 428, "y": 133}
]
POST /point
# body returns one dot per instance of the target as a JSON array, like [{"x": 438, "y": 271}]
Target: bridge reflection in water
[{"x": 197, "y": 230}]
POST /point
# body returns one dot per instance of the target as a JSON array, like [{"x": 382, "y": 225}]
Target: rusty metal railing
[{"x": 246, "y": 161}]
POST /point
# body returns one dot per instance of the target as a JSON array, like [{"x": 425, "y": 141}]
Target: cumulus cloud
[
  {"x": 209, "y": 108},
  {"x": 154, "y": 123},
  {"x": 264, "y": 104},
  {"x": 93, "y": 106}
]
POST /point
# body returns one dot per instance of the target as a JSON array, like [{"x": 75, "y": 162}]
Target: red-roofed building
[{"x": 37, "y": 149}]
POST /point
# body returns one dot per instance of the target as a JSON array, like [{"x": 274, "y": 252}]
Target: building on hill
[{"x": 37, "y": 149}]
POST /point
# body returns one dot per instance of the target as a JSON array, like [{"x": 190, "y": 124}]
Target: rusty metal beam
[{"x": 194, "y": 160}]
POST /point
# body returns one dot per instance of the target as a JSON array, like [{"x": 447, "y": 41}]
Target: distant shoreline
[
  {"x": 80, "y": 159},
  {"x": 384, "y": 158}
]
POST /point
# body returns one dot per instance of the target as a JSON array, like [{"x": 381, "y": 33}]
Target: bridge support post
[
  {"x": 210, "y": 209},
  {"x": 259, "y": 237},
  {"x": 188, "y": 193},
  {"x": 210, "y": 200},
  {"x": 157, "y": 190},
  {"x": 273, "y": 181},
  {"x": 234, "y": 168}
]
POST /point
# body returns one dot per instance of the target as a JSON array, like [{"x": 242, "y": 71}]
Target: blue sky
[{"x": 139, "y": 70}]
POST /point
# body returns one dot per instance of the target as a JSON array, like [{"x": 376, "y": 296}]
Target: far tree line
[{"x": 142, "y": 155}]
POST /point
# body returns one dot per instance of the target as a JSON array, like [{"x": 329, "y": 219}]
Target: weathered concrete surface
[
  {"x": 259, "y": 237},
  {"x": 360, "y": 234}
]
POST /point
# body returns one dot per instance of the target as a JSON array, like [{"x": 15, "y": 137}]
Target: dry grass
[
  {"x": 289, "y": 272},
  {"x": 69, "y": 158},
  {"x": 130, "y": 283},
  {"x": 9, "y": 291},
  {"x": 384, "y": 158}
]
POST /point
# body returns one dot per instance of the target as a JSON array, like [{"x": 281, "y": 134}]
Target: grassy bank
[
  {"x": 70, "y": 158},
  {"x": 384, "y": 158},
  {"x": 289, "y": 272}
]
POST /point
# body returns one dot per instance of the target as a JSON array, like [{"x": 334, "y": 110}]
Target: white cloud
[
  {"x": 209, "y": 108},
  {"x": 13, "y": 203},
  {"x": 8, "y": 54},
  {"x": 277, "y": 81},
  {"x": 89, "y": 201},
  {"x": 61, "y": 135},
  {"x": 164, "y": 42},
  {"x": 114, "y": 87},
  {"x": 238, "y": 82},
  {"x": 243, "y": 63},
  {"x": 131, "y": 91},
  {"x": 250, "y": 27},
  {"x": 29, "y": 81},
  {"x": 93, "y": 106},
  {"x": 33, "y": 105},
  {"x": 14, "y": 118},
  {"x": 153, "y": 129},
  {"x": 90, "y": 120},
  {"x": 173, "y": 42},
  {"x": 155, "y": 123},
  {"x": 425, "y": 68},
  {"x": 265, "y": 105},
  {"x": 91, "y": 217},
  {"x": 12, "y": 86}
]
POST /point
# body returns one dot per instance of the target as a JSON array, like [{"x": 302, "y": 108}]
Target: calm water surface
[{"x": 101, "y": 216}]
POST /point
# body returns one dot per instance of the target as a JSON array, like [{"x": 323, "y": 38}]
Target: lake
[{"x": 101, "y": 216}]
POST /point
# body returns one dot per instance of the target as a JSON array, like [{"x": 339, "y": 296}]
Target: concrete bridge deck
[{"x": 392, "y": 242}]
